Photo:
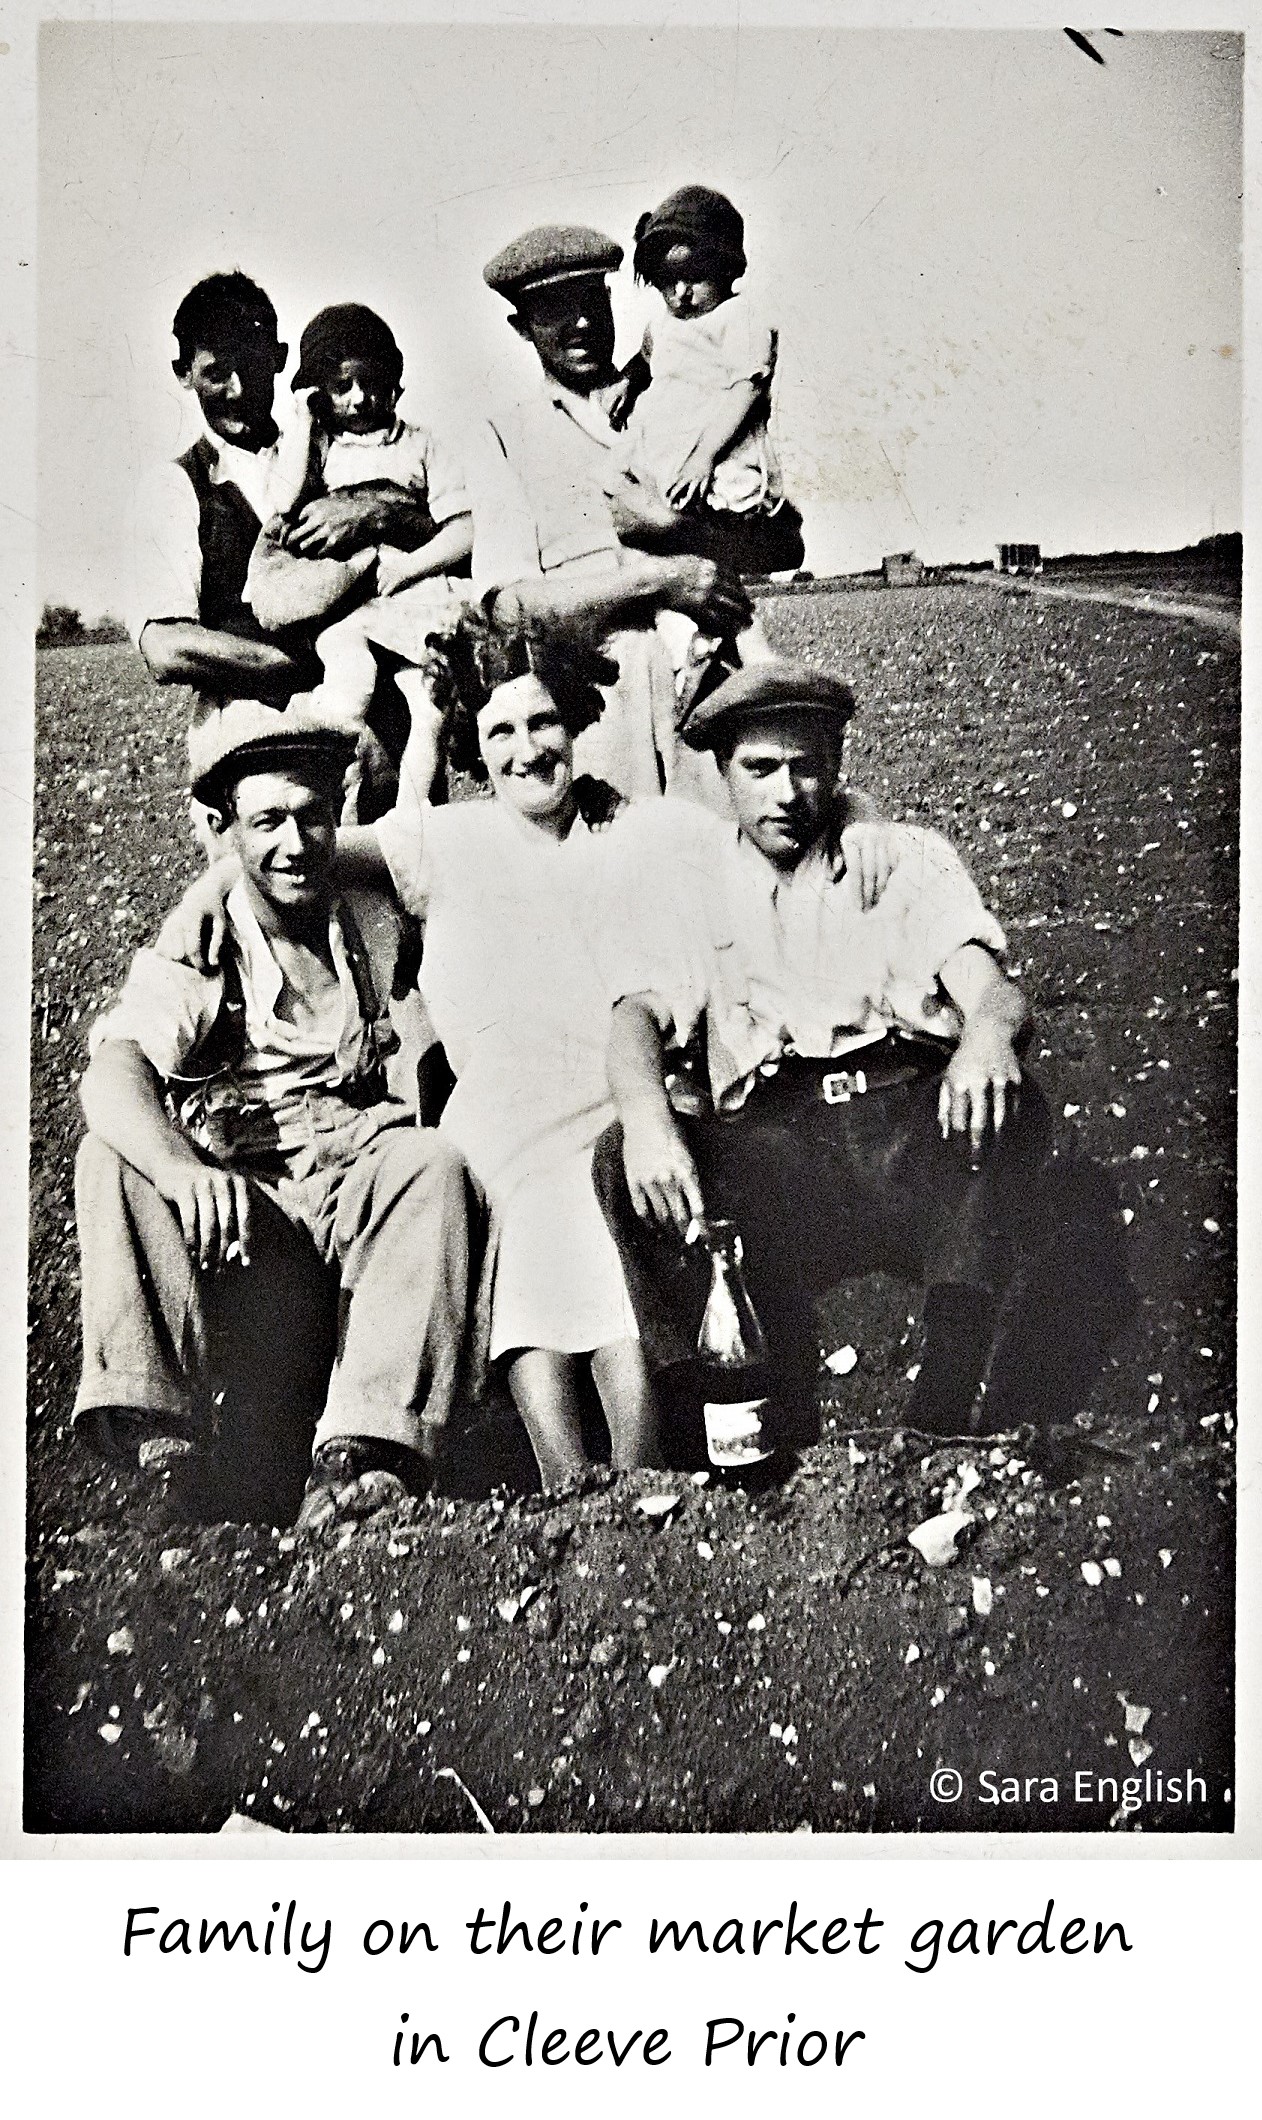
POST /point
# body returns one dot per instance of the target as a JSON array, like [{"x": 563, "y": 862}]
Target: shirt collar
[
  {"x": 814, "y": 868},
  {"x": 232, "y": 459},
  {"x": 376, "y": 438},
  {"x": 263, "y": 975},
  {"x": 586, "y": 412}
]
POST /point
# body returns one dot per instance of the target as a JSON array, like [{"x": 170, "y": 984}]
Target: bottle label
[{"x": 734, "y": 1432}]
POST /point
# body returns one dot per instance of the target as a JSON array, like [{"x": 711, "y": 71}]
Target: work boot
[
  {"x": 959, "y": 1329},
  {"x": 354, "y": 1476}
]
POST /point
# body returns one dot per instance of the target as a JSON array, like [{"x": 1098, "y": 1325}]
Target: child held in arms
[
  {"x": 697, "y": 397},
  {"x": 346, "y": 432}
]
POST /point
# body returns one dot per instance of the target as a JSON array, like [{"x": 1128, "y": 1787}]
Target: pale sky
[{"x": 1006, "y": 281}]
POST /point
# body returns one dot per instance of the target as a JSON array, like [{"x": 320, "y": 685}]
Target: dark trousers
[{"x": 1022, "y": 1251}]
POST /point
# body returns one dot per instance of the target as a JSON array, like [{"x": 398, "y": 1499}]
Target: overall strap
[
  {"x": 222, "y": 1049},
  {"x": 381, "y": 1039},
  {"x": 371, "y": 1007}
]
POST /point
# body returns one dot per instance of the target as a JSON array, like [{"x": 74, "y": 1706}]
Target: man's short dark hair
[{"x": 227, "y": 309}]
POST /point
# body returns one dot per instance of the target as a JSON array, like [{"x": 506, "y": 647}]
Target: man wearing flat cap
[
  {"x": 842, "y": 1080},
  {"x": 557, "y": 527},
  {"x": 253, "y": 1151}
]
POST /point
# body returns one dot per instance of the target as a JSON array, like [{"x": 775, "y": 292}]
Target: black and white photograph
[{"x": 635, "y": 905}]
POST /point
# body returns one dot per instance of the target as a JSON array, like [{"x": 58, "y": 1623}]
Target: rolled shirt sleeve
[
  {"x": 165, "y": 570},
  {"x": 407, "y": 851},
  {"x": 505, "y": 530},
  {"x": 165, "y": 1008},
  {"x": 931, "y": 908}
]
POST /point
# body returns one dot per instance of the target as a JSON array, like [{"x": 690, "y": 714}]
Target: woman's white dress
[{"x": 511, "y": 979}]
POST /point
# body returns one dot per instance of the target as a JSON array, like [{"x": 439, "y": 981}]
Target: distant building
[
  {"x": 902, "y": 570},
  {"x": 1020, "y": 559}
]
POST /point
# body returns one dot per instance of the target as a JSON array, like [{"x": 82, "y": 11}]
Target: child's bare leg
[
  {"x": 626, "y": 1393},
  {"x": 752, "y": 645},
  {"x": 350, "y": 670},
  {"x": 370, "y": 781},
  {"x": 544, "y": 1385}
]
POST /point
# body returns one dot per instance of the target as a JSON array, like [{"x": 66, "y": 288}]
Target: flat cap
[
  {"x": 238, "y": 736},
  {"x": 544, "y": 255},
  {"x": 762, "y": 689}
]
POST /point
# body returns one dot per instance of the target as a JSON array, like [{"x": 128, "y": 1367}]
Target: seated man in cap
[
  {"x": 859, "y": 1102},
  {"x": 547, "y": 540},
  {"x": 253, "y": 1124}
]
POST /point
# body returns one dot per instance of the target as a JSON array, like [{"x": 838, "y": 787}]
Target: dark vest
[{"x": 227, "y": 529}]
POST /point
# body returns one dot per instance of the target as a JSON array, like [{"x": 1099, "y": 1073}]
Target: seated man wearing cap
[
  {"x": 252, "y": 1125},
  {"x": 859, "y": 1102},
  {"x": 546, "y": 544}
]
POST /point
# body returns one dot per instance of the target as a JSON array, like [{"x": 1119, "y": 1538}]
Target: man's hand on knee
[
  {"x": 979, "y": 1087},
  {"x": 214, "y": 1210}
]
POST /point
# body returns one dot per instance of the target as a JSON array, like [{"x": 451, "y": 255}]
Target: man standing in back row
[
  {"x": 556, "y": 525},
  {"x": 198, "y": 517}
]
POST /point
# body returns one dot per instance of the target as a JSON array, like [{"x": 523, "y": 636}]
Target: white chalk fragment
[{"x": 934, "y": 1540}]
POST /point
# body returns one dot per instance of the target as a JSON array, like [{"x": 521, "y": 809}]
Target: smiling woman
[{"x": 510, "y": 892}]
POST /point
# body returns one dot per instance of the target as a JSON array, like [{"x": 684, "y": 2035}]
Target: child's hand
[
  {"x": 307, "y": 407},
  {"x": 872, "y": 851},
  {"x": 691, "y": 482},
  {"x": 396, "y": 569}
]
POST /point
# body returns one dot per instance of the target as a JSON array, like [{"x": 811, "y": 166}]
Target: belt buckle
[{"x": 843, "y": 1084}]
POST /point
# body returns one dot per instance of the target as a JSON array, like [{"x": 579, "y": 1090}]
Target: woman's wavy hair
[{"x": 464, "y": 667}]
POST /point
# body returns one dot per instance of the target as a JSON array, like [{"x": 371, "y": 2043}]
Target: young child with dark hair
[
  {"x": 696, "y": 402},
  {"x": 346, "y": 433},
  {"x": 698, "y": 394}
]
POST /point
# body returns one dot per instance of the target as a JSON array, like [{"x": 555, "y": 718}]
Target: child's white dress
[
  {"x": 409, "y": 457},
  {"x": 289, "y": 588},
  {"x": 694, "y": 362},
  {"x": 511, "y": 981}
]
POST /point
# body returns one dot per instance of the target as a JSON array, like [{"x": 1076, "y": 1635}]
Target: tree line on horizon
[{"x": 62, "y": 626}]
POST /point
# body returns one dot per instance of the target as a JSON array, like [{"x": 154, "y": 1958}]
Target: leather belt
[{"x": 894, "y": 1061}]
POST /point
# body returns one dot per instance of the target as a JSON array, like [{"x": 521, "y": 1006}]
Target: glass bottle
[{"x": 733, "y": 1349}]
